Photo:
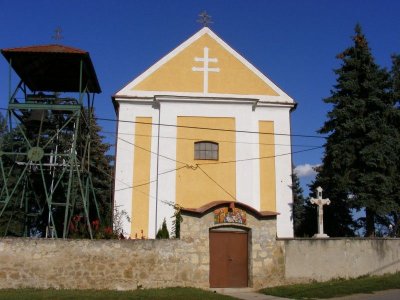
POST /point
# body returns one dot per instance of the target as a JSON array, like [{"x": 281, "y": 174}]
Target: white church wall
[
  {"x": 283, "y": 166},
  {"x": 126, "y": 155},
  {"x": 247, "y": 147}
]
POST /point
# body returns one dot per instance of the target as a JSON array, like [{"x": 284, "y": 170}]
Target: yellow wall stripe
[
  {"x": 141, "y": 174},
  {"x": 193, "y": 187},
  {"x": 267, "y": 167}
]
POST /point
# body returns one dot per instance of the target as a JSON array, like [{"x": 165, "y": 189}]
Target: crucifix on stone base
[{"x": 320, "y": 202}]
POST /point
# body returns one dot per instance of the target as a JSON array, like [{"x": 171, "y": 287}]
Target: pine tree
[
  {"x": 298, "y": 206},
  {"x": 338, "y": 221},
  {"x": 359, "y": 167},
  {"x": 304, "y": 213},
  {"x": 394, "y": 219},
  {"x": 395, "y": 78},
  {"x": 163, "y": 231},
  {"x": 101, "y": 170},
  {"x": 3, "y": 125},
  {"x": 13, "y": 221}
]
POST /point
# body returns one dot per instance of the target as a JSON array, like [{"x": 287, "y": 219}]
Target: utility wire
[
  {"x": 210, "y": 128},
  {"x": 258, "y": 158},
  {"x": 205, "y": 128},
  {"x": 197, "y": 139},
  {"x": 194, "y": 167},
  {"x": 149, "y": 182},
  {"x": 225, "y": 162},
  {"x": 213, "y": 180},
  {"x": 163, "y": 156}
]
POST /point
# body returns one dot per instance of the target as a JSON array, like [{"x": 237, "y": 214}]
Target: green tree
[
  {"x": 163, "y": 231},
  {"x": 176, "y": 222},
  {"x": 3, "y": 125},
  {"x": 299, "y": 217},
  {"x": 394, "y": 219},
  {"x": 360, "y": 162},
  {"x": 338, "y": 219},
  {"x": 101, "y": 170},
  {"x": 395, "y": 78},
  {"x": 15, "y": 222}
]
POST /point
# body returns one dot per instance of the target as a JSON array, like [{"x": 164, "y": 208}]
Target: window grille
[{"x": 206, "y": 150}]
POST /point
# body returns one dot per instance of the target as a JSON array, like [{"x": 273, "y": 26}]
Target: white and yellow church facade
[{"x": 202, "y": 125}]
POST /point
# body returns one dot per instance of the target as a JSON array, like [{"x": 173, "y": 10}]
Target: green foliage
[
  {"x": 119, "y": 217},
  {"x": 360, "y": 166},
  {"x": 3, "y": 125},
  {"x": 304, "y": 213},
  {"x": 337, "y": 287},
  {"x": 395, "y": 76},
  {"x": 298, "y": 206},
  {"x": 27, "y": 212},
  {"x": 176, "y": 222},
  {"x": 176, "y": 293},
  {"x": 100, "y": 166},
  {"x": 163, "y": 231}
]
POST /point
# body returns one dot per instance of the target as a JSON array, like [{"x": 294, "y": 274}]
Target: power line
[
  {"x": 194, "y": 167},
  {"x": 220, "y": 186},
  {"x": 158, "y": 154},
  {"x": 224, "y": 162},
  {"x": 206, "y": 128},
  {"x": 258, "y": 158},
  {"x": 197, "y": 139},
  {"x": 149, "y": 182},
  {"x": 212, "y": 129}
]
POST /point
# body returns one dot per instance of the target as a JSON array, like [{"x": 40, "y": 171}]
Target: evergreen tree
[
  {"x": 395, "y": 77},
  {"x": 298, "y": 205},
  {"x": 360, "y": 163},
  {"x": 394, "y": 219},
  {"x": 338, "y": 221},
  {"x": 304, "y": 213},
  {"x": 3, "y": 125},
  {"x": 176, "y": 222},
  {"x": 14, "y": 221},
  {"x": 101, "y": 170},
  {"x": 163, "y": 231}
]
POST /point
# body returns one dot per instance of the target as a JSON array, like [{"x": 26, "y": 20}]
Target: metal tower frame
[{"x": 45, "y": 166}]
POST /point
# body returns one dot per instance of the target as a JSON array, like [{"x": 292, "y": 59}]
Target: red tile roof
[{"x": 216, "y": 204}]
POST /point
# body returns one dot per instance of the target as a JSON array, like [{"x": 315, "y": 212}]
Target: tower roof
[{"x": 54, "y": 68}]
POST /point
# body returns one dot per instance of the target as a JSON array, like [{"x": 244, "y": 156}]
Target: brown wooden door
[{"x": 228, "y": 259}]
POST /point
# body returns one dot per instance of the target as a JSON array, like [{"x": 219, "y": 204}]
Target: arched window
[{"x": 206, "y": 150}]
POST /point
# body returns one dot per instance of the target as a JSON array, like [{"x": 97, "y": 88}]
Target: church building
[{"x": 202, "y": 126}]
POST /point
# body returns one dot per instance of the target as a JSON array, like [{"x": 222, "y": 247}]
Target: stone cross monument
[{"x": 320, "y": 202}]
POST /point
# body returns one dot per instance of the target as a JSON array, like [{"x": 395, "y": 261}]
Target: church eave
[{"x": 200, "y": 211}]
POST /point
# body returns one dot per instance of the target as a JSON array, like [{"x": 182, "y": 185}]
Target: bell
[{"x": 37, "y": 115}]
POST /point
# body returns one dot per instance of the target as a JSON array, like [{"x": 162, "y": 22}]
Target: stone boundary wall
[
  {"x": 100, "y": 264},
  {"x": 325, "y": 259},
  {"x": 132, "y": 264}
]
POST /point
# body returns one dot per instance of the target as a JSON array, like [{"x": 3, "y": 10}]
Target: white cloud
[{"x": 305, "y": 170}]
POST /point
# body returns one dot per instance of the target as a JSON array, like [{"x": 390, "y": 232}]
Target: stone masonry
[
  {"x": 133, "y": 264},
  {"x": 266, "y": 255}
]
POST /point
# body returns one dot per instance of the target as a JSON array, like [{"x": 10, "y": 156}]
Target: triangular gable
[{"x": 204, "y": 65}]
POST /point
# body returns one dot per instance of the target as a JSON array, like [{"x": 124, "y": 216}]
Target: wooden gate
[{"x": 228, "y": 259}]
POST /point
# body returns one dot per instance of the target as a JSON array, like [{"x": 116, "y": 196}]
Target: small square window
[{"x": 206, "y": 150}]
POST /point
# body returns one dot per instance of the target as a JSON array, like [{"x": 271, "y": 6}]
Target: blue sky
[{"x": 293, "y": 42}]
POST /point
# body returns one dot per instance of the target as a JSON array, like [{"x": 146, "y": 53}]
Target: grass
[
  {"x": 336, "y": 288},
  {"x": 167, "y": 293}
]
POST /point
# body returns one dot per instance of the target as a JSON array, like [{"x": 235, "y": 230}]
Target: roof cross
[
  {"x": 204, "y": 19},
  {"x": 57, "y": 34}
]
